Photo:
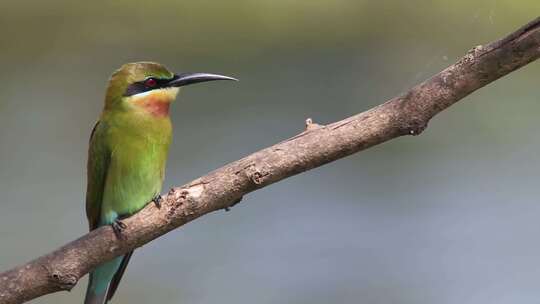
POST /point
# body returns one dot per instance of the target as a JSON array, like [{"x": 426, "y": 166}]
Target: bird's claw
[
  {"x": 117, "y": 227},
  {"x": 157, "y": 200}
]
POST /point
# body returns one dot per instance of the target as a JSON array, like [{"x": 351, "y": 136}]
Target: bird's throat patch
[
  {"x": 157, "y": 108},
  {"x": 155, "y": 102}
]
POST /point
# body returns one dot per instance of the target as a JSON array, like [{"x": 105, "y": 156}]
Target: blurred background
[{"x": 451, "y": 216}]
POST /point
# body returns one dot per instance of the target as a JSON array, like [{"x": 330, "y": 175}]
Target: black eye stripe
[{"x": 140, "y": 86}]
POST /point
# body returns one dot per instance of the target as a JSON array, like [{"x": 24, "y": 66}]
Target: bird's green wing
[{"x": 97, "y": 166}]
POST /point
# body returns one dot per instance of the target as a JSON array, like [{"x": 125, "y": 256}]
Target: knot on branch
[
  {"x": 311, "y": 125},
  {"x": 258, "y": 176},
  {"x": 176, "y": 197},
  {"x": 185, "y": 198},
  {"x": 472, "y": 54},
  {"x": 414, "y": 126},
  {"x": 255, "y": 174},
  {"x": 63, "y": 281},
  {"x": 234, "y": 203}
]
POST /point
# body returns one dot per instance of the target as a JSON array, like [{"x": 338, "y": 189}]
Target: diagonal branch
[{"x": 407, "y": 114}]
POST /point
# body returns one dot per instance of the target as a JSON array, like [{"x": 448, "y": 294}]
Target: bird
[{"x": 127, "y": 153}]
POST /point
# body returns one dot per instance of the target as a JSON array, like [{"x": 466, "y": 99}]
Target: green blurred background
[{"x": 451, "y": 216}]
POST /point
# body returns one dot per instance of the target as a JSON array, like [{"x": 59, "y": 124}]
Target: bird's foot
[
  {"x": 117, "y": 227},
  {"x": 157, "y": 200}
]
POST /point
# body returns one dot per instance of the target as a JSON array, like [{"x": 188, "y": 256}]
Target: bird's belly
[{"x": 133, "y": 179}]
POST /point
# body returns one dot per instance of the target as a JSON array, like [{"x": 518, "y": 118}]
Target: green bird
[{"x": 126, "y": 158}]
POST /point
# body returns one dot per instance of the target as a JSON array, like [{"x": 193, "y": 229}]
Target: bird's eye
[{"x": 150, "y": 82}]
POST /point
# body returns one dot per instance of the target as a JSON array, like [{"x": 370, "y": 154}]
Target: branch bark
[{"x": 407, "y": 114}]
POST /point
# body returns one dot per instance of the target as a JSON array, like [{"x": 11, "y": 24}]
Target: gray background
[{"x": 451, "y": 216}]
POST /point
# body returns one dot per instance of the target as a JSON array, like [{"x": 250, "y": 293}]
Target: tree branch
[{"x": 407, "y": 114}]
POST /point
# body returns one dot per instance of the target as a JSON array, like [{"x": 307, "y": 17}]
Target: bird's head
[{"x": 149, "y": 86}]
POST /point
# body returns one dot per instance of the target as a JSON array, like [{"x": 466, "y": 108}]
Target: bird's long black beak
[{"x": 184, "y": 79}]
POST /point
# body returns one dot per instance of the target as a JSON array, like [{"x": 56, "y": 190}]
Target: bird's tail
[
  {"x": 100, "y": 278},
  {"x": 91, "y": 296}
]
